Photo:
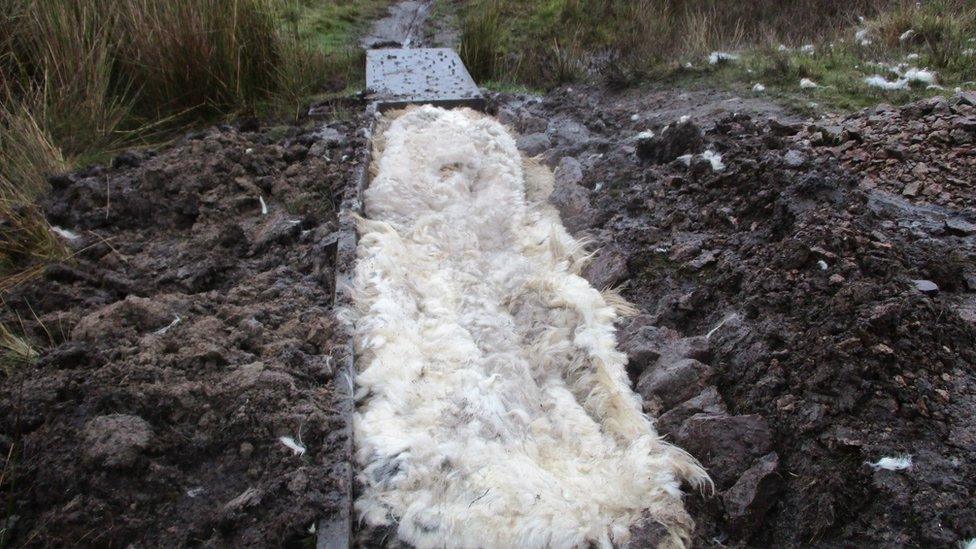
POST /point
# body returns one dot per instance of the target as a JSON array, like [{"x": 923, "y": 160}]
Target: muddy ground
[
  {"x": 192, "y": 329},
  {"x": 802, "y": 316},
  {"x": 798, "y": 322}
]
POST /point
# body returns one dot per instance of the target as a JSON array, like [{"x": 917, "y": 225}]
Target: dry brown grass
[
  {"x": 15, "y": 351},
  {"x": 82, "y": 79}
]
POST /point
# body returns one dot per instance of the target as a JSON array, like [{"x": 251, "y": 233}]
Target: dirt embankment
[
  {"x": 192, "y": 329},
  {"x": 791, "y": 333}
]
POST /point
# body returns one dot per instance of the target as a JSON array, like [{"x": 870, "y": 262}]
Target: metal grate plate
[{"x": 400, "y": 77}]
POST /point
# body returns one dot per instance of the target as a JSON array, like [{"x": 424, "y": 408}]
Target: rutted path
[{"x": 401, "y": 27}]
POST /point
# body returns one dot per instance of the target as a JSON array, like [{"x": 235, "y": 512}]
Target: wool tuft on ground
[{"x": 494, "y": 409}]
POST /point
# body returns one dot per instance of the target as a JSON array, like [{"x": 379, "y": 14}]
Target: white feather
[
  {"x": 717, "y": 57},
  {"x": 715, "y": 159},
  {"x": 295, "y": 447},
  {"x": 65, "y": 233},
  {"x": 878, "y": 81},
  {"x": 166, "y": 328},
  {"x": 892, "y": 463}
]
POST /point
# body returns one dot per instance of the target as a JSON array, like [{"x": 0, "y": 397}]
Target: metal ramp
[{"x": 399, "y": 77}]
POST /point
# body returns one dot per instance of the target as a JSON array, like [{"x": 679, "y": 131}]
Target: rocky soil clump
[
  {"x": 184, "y": 392},
  {"x": 796, "y": 327},
  {"x": 925, "y": 151}
]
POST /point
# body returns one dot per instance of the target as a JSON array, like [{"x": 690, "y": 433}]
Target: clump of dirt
[
  {"x": 795, "y": 327},
  {"x": 192, "y": 330}
]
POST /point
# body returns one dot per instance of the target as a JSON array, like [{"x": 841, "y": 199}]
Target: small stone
[
  {"x": 246, "y": 450},
  {"x": 529, "y": 123},
  {"x": 568, "y": 132},
  {"x": 967, "y": 124},
  {"x": 533, "y": 144},
  {"x": 726, "y": 445},
  {"x": 708, "y": 401},
  {"x": 568, "y": 172},
  {"x": 911, "y": 189},
  {"x": 882, "y": 349},
  {"x": 895, "y": 151},
  {"x": 696, "y": 347},
  {"x": 927, "y": 287},
  {"x": 836, "y": 279},
  {"x": 673, "y": 382},
  {"x": 247, "y": 498},
  {"x": 753, "y": 494},
  {"x": 920, "y": 170},
  {"x": 573, "y": 204},
  {"x": 967, "y": 98},
  {"x": 960, "y": 136},
  {"x": 959, "y": 227},
  {"x": 116, "y": 440},
  {"x": 782, "y": 130},
  {"x": 644, "y": 345},
  {"x": 795, "y": 159},
  {"x": 607, "y": 269},
  {"x": 703, "y": 260}
]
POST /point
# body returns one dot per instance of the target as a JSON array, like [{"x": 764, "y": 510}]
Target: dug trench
[{"x": 789, "y": 335}]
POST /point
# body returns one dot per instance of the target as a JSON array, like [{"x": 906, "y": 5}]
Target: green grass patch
[
  {"x": 937, "y": 37},
  {"x": 545, "y": 43},
  {"x": 332, "y": 25},
  {"x": 549, "y": 42}
]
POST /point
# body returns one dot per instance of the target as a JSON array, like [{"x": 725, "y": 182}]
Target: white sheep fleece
[{"x": 493, "y": 406}]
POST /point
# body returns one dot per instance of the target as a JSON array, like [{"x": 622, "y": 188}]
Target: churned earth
[
  {"x": 191, "y": 330},
  {"x": 798, "y": 321},
  {"x": 805, "y": 311}
]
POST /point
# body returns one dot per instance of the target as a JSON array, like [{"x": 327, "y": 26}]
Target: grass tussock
[
  {"x": 15, "y": 351},
  {"x": 938, "y": 36},
  {"x": 82, "y": 79}
]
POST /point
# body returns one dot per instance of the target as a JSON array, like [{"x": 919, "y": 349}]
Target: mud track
[{"x": 784, "y": 336}]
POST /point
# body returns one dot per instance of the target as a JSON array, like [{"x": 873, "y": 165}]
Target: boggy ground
[
  {"x": 783, "y": 338},
  {"x": 191, "y": 330}
]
